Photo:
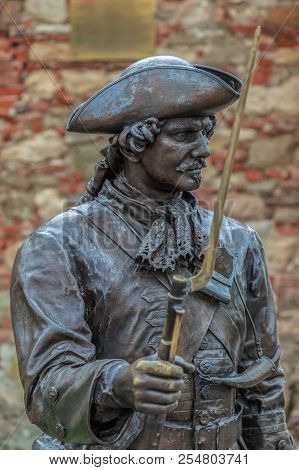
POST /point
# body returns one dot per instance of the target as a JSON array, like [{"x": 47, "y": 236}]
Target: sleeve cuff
[{"x": 267, "y": 431}]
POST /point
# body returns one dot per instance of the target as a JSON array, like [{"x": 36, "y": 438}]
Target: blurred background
[{"x": 55, "y": 53}]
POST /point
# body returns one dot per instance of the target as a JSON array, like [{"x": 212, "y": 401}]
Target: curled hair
[{"x": 133, "y": 138}]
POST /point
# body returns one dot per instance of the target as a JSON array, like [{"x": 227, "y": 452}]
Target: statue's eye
[{"x": 181, "y": 136}]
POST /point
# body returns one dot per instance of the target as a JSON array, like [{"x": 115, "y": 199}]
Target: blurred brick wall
[{"x": 41, "y": 166}]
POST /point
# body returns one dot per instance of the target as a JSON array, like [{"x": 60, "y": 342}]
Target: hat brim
[{"x": 156, "y": 91}]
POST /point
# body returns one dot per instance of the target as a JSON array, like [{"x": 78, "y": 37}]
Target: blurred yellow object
[{"x": 112, "y": 30}]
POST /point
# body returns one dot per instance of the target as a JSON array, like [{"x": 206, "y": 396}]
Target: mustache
[{"x": 189, "y": 166}]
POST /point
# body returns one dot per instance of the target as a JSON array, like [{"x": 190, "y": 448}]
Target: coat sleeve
[
  {"x": 56, "y": 355},
  {"x": 264, "y": 425}
]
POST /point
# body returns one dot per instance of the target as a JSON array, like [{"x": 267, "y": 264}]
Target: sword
[{"x": 182, "y": 286}]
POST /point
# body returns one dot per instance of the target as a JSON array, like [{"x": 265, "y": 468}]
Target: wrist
[
  {"x": 103, "y": 396},
  {"x": 121, "y": 387}
]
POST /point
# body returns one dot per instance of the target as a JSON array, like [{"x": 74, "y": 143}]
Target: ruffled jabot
[{"x": 172, "y": 234}]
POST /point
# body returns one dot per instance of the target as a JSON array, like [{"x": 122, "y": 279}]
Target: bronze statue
[{"x": 90, "y": 287}]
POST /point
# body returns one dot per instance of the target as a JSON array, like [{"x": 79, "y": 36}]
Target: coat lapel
[
  {"x": 200, "y": 306},
  {"x": 111, "y": 223}
]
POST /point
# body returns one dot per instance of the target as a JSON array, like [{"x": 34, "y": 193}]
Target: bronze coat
[{"x": 81, "y": 306}]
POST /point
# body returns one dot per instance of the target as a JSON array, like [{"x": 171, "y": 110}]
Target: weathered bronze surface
[
  {"x": 90, "y": 295},
  {"x": 112, "y": 29}
]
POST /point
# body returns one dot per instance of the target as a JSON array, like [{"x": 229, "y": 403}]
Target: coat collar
[{"x": 105, "y": 214}]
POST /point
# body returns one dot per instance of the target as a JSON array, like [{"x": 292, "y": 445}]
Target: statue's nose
[
  {"x": 201, "y": 151},
  {"x": 201, "y": 147}
]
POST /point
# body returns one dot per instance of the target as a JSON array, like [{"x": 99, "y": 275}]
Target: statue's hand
[{"x": 150, "y": 385}]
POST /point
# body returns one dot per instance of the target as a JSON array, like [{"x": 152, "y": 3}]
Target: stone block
[
  {"x": 36, "y": 149},
  {"x": 41, "y": 84},
  {"x": 284, "y": 214},
  {"x": 262, "y": 227},
  {"x": 44, "y": 180},
  {"x": 4, "y": 306},
  {"x": 45, "y": 28},
  {"x": 245, "y": 207},
  {"x": 271, "y": 151},
  {"x": 285, "y": 56},
  {"x": 263, "y": 187},
  {"x": 10, "y": 254},
  {"x": 18, "y": 205},
  {"x": 238, "y": 181},
  {"x": 48, "y": 202},
  {"x": 51, "y": 11},
  {"x": 288, "y": 323},
  {"x": 11, "y": 12},
  {"x": 86, "y": 156},
  {"x": 49, "y": 51},
  {"x": 279, "y": 252},
  {"x": 281, "y": 14},
  {"x": 284, "y": 98},
  {"x": 209, "y": 173},
  {"x": 81, "y": 82}
]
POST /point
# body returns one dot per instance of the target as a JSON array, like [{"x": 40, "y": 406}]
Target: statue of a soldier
[{"x": 89, "y": 288}]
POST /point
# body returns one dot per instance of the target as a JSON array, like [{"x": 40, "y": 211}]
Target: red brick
[
  {"x": 7, "y": 101},
  {"x": 26, "y": 24},
  {"x": 290, "y": 229},
  {"x": 254, "y": 175},
  {"x": 72, "y": 184},
  {"x": 5, "y": 334},
  {"x": 4, "y": 44},
  {"x": 255, "y": 122},
  {"x": 4, "y": 278},
  {"x": 290, "y": 184},
  {"x": 21, "y": 54},
  {"x": 242, "y": 28},
  {"x": 4, "y": 112},
  {"x": 286, "y": 42},
  {"x": 37, "y": 124},
  {"x": 9, "y": 131},
  {"x": 5, "y": 55},
  {"x": 60, "y": 129},
  {"x": 10, "y": 66},
  {"x": 167, "y": 30},
  {"x": 38, "y": 106},
  {"x": 277, "y": 174},
  {"x": 63, "y": 98},
  {"x": 9, "y": 79},
  {"x": 277, "y": 16},
  {"x": 12, "y": 90},
  {"x": 261, "y": 76}
]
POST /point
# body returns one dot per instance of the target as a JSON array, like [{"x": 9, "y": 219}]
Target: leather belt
[{"x": 221, "y": 434}]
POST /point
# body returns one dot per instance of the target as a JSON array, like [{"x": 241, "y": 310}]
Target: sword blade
[{"x": 203, "y": 276}]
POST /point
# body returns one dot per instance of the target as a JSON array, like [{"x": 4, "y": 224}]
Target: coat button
[
  {"x": 205, "y": 366},
  {"x": 60, "y": 430},
  {"x": 206, "y": 392},
  {"x": 204, "y": 343},
  {"x": 282, "y": 444},
  {"x": 204, "y": 418},
  {"x": 53, "y": 393}
]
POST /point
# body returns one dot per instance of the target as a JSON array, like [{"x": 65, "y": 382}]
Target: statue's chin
[{"x": 192, "y": 183}]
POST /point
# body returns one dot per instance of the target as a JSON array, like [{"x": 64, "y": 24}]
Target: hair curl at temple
[{"x": 133, "y": 138}]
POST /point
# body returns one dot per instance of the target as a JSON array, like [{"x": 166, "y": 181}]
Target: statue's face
[{"x": 175, "y": 159}]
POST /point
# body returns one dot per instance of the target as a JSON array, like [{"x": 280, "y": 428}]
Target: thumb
[{"x": 188, "y": 367}]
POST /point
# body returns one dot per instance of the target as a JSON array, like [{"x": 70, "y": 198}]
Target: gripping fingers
[
  {"x": 152, "y": 408},
  {"x": 149, "y": 382},
  {"x": 159, "y": 398},
  {"x": 160, "y": 368}
]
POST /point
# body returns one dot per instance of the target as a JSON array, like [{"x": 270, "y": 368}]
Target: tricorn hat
[{"x": 161, "y": 87}]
